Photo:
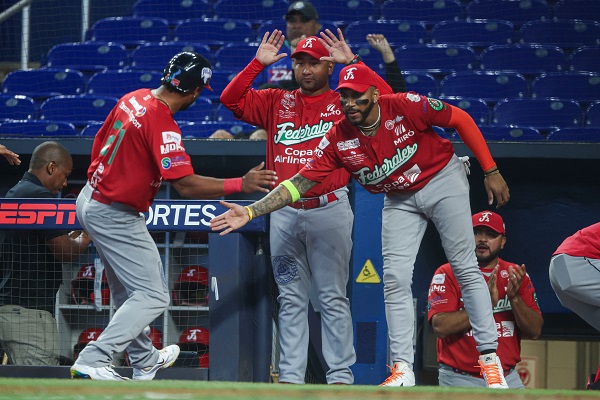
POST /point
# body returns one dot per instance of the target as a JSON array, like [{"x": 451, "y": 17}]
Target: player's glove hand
[{"x": 258, "y": 179}]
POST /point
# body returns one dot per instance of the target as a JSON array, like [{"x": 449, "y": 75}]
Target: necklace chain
[{"x": 162, "y": 99}]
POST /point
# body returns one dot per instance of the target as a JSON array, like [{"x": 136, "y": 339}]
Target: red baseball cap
[
  {"x": 357, "y": 77},
  {"x": 312, "y": 47},
  {"x": 491, "y": 220}
]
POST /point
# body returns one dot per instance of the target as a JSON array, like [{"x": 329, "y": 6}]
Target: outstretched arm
[
  {"x": 12, "y": 158},
  {"x": 204, "y": 187},
  {"x": 238, "y": 216}
]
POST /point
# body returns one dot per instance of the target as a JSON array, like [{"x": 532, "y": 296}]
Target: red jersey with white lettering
[
  {"x": 295, "y": 124},
  {"x": 583, "y": 243},
  {"x": 404, "y": 154},
  {"x": 459, "y": 350},
  {"x": 137, "y": 147}
]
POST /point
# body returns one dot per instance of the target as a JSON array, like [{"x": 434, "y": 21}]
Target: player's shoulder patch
[
  {"x": 438, "y": 279},
  {"x": 436, "y": 104}
]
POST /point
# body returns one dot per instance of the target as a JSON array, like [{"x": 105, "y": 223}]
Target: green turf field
[{"x": 50, "y": 389}]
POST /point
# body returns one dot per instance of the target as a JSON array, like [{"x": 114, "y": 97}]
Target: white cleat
[
  {"x": 106, "y": 373},
  {"x": 401, "y": 375},
  {"x": 166, "y": 358},
  {"x": 491, "y": 369}
]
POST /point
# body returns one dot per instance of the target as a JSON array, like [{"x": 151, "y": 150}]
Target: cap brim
[
  {"x": 489, "y": 226},
  {"x": 357, "y": 87}
]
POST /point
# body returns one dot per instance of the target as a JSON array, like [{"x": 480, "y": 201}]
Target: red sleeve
[
  {"x": 172, "y": 161},
  {"x": 527, "y": 293},
  {"x": 247, "y": 104},
  {"x": 444, "y": 293},
  {"x": 471, "y": 136},
  {"x": 324, "y": 161}
]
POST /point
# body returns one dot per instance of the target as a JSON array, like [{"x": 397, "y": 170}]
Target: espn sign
[{"x": 163, "y": 215}]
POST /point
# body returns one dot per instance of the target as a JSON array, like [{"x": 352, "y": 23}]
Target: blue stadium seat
[
  {"x": 581, "y": 86},
  {"x": 420, "y": 82},
  {"x": 369, "y": 56},
  {"x": 131, "y": 31},
  {"x": 476, "y": 33},
  {"x": 523, "y": 58},
  {"x": 428, "y": 11},
  {"x": 592, "y": 115},
  {"x": 155, "y": 56},
  {"x": 565, "y": 34},
  {"x": 88, "y": 57},
  {"x": 235, "y": 56},
  {"x": 206, "y": 128},
  {"x": 436, "y": 59},
  {"x": 396, "y": 32},
  {"x": 16, "y": 107},
  {"x": 577, "y": 9},
  {"x": 543, "y": 114},
  {"x": 487, "y": 85},
  {"x": 509, "y": 134},
  {"x": 78, "y": 110},
  {"x": 477, "y": 108},
  {"x": 214, "y": 32},
  {"x": 43, "y": 83},
  {"x": 224, "y": 114},
  {"x": 91, "y": 129},
  {"x": 252, "y": 10},
  {"x": 172, "y": 11},
  {"x": 586, "y": 58},
  {"x": 280, "y": 24},
  {"x": 516, "y": 11},
  {"x": 118, "y": 83},
  {"x": 36, "y": 128},
  {"x": 346, "y": 11},
  {"x": 575, "y": 135},
  {"x": 201, "y": 110}
]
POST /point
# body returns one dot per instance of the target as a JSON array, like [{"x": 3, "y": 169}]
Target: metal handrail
[{"x": 23, "y": 6}]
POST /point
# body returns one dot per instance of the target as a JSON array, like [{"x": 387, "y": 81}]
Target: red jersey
[
  {"x": 137, "y": 147},
  {"x": 459, "y": 350},
  {"x": 584, "y": 243},
  {"x": 404, "y": 154},
  {"x": 295, "y": 124}
]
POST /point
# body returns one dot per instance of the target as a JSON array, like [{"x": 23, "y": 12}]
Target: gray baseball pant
[
  {"x": 445, "y": 201},
  {"x": 135, "y": 276},
  {"x": 447, "y": 377},
  {"x": 312, "y": 248}
]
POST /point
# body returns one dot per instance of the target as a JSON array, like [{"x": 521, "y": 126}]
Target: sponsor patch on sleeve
[
  {"x": 438, "y": 279},
  {"x": 436, "y": 104}
]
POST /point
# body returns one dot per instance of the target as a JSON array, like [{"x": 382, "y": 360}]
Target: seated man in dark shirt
[{"x": 30, "y": 265}]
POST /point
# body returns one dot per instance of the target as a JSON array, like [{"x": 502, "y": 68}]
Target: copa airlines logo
[
  {"x": 37, "y": 214},
  {"x": 288, "y": 134},
  {"x": 380, "y": 172}
]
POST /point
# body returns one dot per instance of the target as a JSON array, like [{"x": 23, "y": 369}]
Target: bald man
[{"x": 31, "y": 265}]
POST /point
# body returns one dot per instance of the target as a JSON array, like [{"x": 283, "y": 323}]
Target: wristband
[
  {"x": 494, "y": 172},
  {"x": 356, "y": 59},
  {"x": 250, "y": 213},
  {"x": 292, "y": 189},
  {"x": 232, "y": 185}
]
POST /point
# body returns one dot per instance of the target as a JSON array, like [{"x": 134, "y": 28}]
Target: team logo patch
[
  {"x": 415, "y": 98},
  {"x": 435, "y": 104},
  {"x": 165, "y": 163},
  {"x": 438, "y": 279},
  {"x": 285, "y": 269}
]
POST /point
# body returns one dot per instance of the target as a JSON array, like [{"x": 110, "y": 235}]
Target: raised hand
[
  {"x": 380, "y": 43},
  {"x": 338, "y": 48},
  {"x": 258, "y": 180},
  {"x": 234, "y": 218},
  {"x": 496, "y": 186},
  {"x": 269, "y": 47},
  {"x": 516, "y": 274}
]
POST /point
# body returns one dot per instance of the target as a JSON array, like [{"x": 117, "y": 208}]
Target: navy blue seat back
[
  {"x": 36, "y": 128},
  {"x": 592, "y": 115},
  {"x": 476, "y": 33},
  {"x": 486, "y": 85},
  {"x": 523, "y": 58},
  {"x": 172, "y": 11},
  {"x": 477, "y": 108},
  {"x": 565, "y": 34},
  {"x": 577, "y": 9},
  {"x": 436, "y": 59},
  {"x": 280, "y": 24},
  {"x": 252, "y": 10},
  {"x": 46, "y": 82},
  {"x": 235, "y": 56},
  {"x": 130, "y": 31},
  {"x": 575, "y": 135},
  {"x": 201, "y": 110},
  {"x": 88, "y": 56},
  {"x": 586, "y": 58},
  {"x": 118, "y": 83},
  {"x": 539, "y": 113},
  {"x": 509, "y": 134},
  {"x": 204, "y": 129},
  {"x": 90, "y": 130},
  {"x": 428, "y": 11},
  {"x": 396, "y": 32},
  {"x": 15, "y": 106},
  {"x": 346, "y": 11},
  {"x": 420, "y": 82},
  {"x": 214, "y": 32},
  {"x": 516, "y": 11},
  {"x": 582, "y": 86},
  {"x": 155, "y": 56},
  {"x": 78, "y": 110}
]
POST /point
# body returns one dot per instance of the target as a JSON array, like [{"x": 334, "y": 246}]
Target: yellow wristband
[
  {"x": 292, "y": 189},
  {"x": 250, "y": 213}
]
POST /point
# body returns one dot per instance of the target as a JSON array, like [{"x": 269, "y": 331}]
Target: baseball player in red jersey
[
  {"x": 311, "y": 240},
  {"x": 516, "y": 310},
  {"x": 575, "y": 278},
  {"x": 388, "y": 145},
  {"x": 137, "y": 147}
]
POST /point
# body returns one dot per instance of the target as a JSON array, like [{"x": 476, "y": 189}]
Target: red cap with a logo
[
  {"x": 360, "y": 78},
  {"x": 491, "y": 220},
  {"x": 312, "y": 47}
]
